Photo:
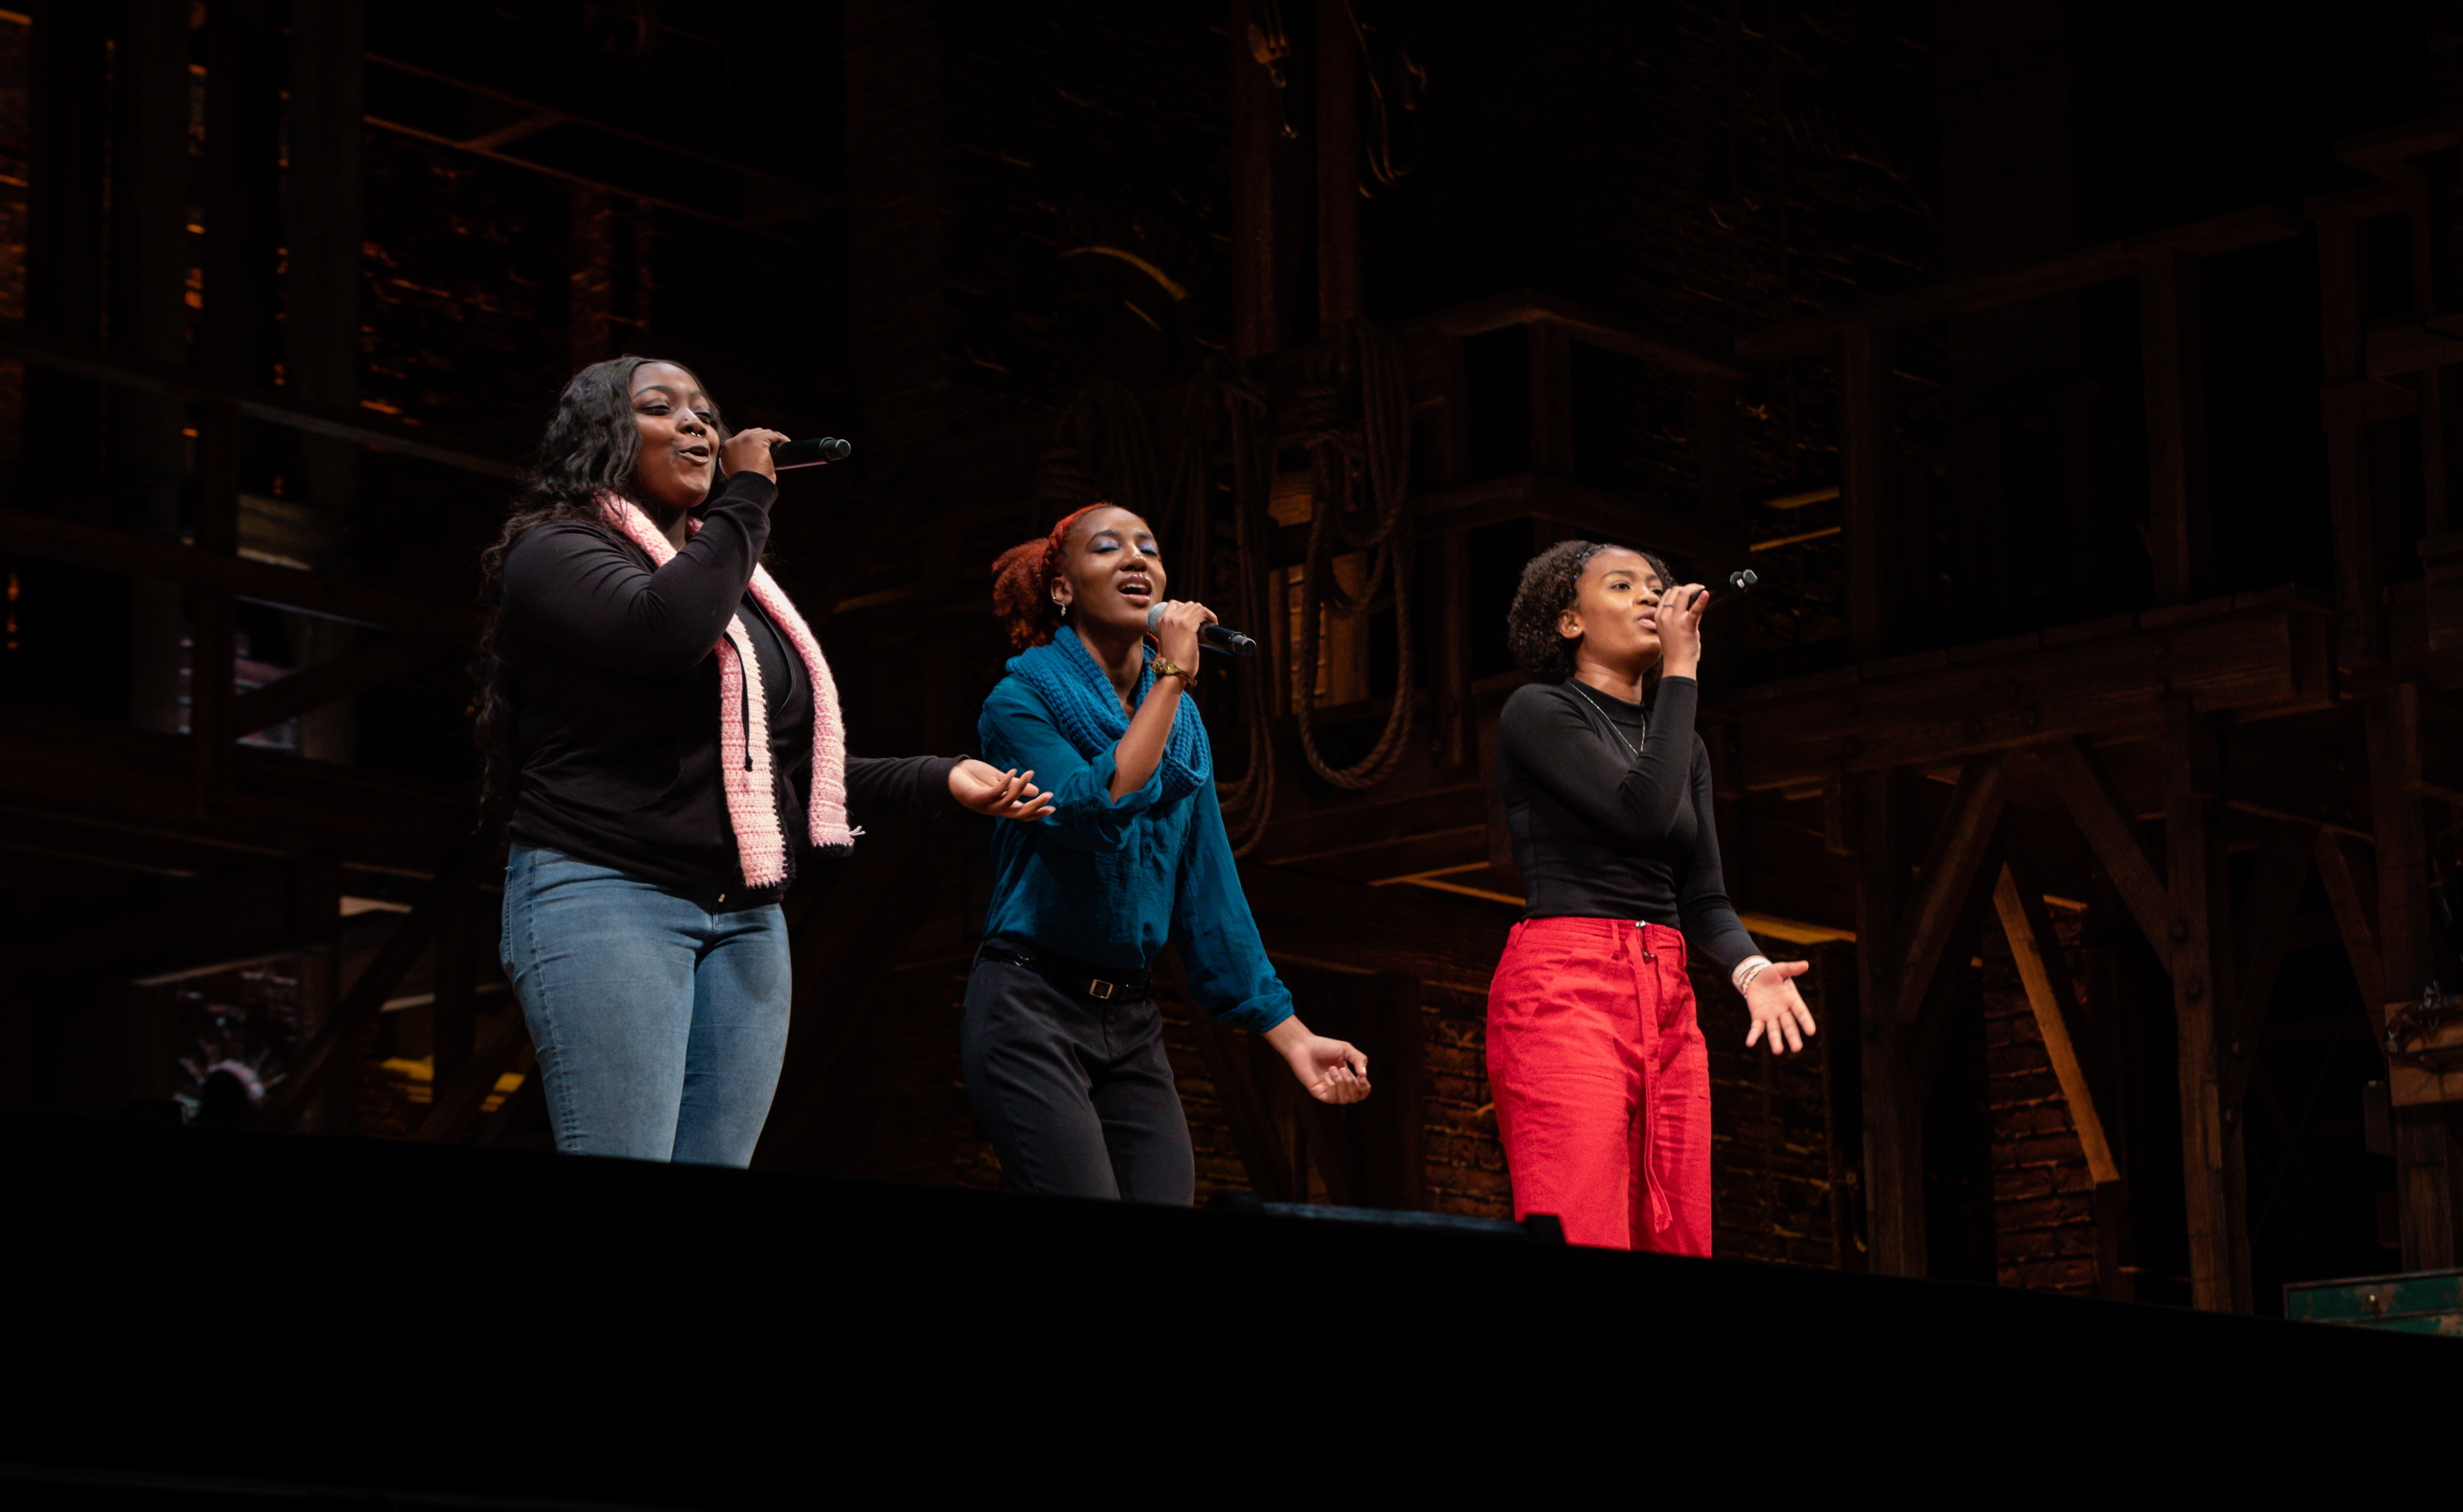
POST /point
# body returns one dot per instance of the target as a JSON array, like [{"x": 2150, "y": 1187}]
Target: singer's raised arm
[
  {"x": 583, "y": 593},
  {"x": 1091, "y": 809}
]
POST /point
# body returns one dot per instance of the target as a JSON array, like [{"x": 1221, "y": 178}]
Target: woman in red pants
[{"x": 1601, "y": 1080}]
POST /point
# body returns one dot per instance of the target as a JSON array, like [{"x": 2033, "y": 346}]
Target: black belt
[{"x": 1103, "y": 983}]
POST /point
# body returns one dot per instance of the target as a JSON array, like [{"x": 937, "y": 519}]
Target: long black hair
[{"x": 591, "y": 447}]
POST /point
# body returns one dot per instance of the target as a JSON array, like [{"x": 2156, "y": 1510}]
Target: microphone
[
  {"x": 1216, "y": 637},
  {"x": 814, "y": 453},
  {"x": 1738, "y": 584}
]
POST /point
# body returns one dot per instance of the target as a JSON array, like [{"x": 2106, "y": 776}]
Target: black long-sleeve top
[
  {"x": 613, "y": 674},
  {"x": 1601, "y": 833}
]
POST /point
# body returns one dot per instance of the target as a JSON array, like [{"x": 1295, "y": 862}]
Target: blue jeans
[{"x": 659, "y": 1025}]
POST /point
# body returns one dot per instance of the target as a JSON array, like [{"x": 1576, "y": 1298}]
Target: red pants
[{"x": 1602, "y": 1083}]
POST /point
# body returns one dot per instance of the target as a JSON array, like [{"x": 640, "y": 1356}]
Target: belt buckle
[{"x": 1104, "y": 991}]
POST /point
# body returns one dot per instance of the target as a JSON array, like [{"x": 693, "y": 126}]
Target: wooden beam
[
  {"x": 39, "y": 831},
  {"x": 2424, "y": 1144},
  {"x": 2351, "y": 888},
  {"x": 2343, "y": 290},
  {"x": 109, "y": 775},
  {"x": 243, "y": 210},
  {"x": 313, "y": 687},
  {"x": 247, "y": 910},
  {"x": 2253, "y": 227},
  {"x": 1947, "y": 877},
  {"x": 2177, "y": 424},
  {"x": 1338, "y": 168},
  {"x": 1551, "y": 361},
  {"x": 1256, "y": 315},
  {"x": 2270, "y": 658},
  {"x": 2389, "y": 151},
  {"x": 2273, "y": 771},
  {"x": 1893, "y": 1100},
  {"x": 212, "y": 628},
  {"x": 275, "y": 406},
  {"x": 2264, "y": 933},
  {"x": 1867, "y": 475},
  {"x": 1838, "y": 811},
  {"x": 141, "y": 554},
  {"x": 333, "y": 1041},
  {"x": 2429, "y": 182},
  {"x": 2054, "y": 999},
  {"x": 455, "y": 1101},
  {"x": 1591, "y": 511},
  {"x": 762, "y": 200},
  {"x": 2212, "y": 1179},
  {"x": 2112, "y": 835},
  {"x": 1584, "y": 324}
]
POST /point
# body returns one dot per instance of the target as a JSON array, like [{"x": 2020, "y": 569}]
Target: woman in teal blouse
[{"x": 1062, "y": 1041}]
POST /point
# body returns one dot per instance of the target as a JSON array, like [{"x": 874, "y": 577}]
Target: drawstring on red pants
[{"x": 1644, "y": 962}]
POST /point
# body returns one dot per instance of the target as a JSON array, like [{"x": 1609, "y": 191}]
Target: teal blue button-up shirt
[{"x": 1110, "y": 883}]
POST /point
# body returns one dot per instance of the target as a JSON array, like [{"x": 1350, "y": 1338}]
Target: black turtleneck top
[{"x": 1610, "y": 813}]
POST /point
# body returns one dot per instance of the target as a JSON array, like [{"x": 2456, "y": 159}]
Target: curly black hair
[
  {"x": 591, "y": 447},
  {"x": 1548, "y": 582}
]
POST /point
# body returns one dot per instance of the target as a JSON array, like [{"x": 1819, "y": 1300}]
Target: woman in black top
[
  {"x": 1598, "y": 1066},
  {"x": 660, "y": 723}
]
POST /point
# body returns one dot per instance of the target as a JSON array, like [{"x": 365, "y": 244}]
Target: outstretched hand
[
  {"x": 1778, "y": 1008},
  {"x": 1010, "y": 794},
  {"x": 1331, "y": 1069}
]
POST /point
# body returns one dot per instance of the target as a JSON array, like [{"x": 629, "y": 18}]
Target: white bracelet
[{"x": 1747, "y": 970}]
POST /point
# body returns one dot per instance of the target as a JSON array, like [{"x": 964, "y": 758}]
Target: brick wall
[
  {"x": 1465, "y": 1162},
  {"x": 2042, "y": 1219},
  {"x": 1781, "y": 1184},
  {"x": 1777, "y": 1177}
]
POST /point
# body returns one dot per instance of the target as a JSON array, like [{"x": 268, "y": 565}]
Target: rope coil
[
  {"x": 1343, "y": 457},
  {"x": 1224, "y": 385}
]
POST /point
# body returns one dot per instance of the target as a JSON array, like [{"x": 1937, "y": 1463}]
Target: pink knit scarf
[{"x": 744, "y": 717}]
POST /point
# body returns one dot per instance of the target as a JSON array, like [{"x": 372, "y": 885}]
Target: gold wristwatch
[{"x": 1165, "y": 667}]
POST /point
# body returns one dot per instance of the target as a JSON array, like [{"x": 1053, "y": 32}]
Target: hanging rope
[
  {"x": 1344, "y": 456},
  {"x": 1398, "y": 71},
  {"x": 1223, "y": 386},
  {"x": 1101, "y": 448}
]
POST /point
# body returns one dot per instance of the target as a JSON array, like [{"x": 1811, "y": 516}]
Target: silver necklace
[{"x": 1592, "y": 700}]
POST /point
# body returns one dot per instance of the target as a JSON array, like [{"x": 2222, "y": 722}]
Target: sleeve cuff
[
  {"x": 746, "y": 487},
  {"x": 1136, "y": 801},
  {"x": 935, "y": 778},
  {"x": 1261, "y": 1014}
]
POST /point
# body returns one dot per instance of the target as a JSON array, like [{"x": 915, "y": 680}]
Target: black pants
[{"x": 1076, "y": 1092}]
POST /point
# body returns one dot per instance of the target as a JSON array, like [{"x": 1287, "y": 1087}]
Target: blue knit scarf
[{"x": 1087, "y": 709}]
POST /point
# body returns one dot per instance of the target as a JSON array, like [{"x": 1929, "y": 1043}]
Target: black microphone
[
  {"x": 1217, "y": 637},
  {"x": 817, "y": 452},
  {"x": 1739, "y": 584}
]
